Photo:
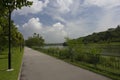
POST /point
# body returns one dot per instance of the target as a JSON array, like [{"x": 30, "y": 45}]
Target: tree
[
  {"x": 9, "y": 6},
  {"x": 36, "y": 40}
]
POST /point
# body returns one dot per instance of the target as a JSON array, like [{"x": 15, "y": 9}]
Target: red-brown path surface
[{"x": 39, "y": 66}]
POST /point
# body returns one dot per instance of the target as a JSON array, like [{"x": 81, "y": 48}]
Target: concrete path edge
[{"x": 20, "y": 70}]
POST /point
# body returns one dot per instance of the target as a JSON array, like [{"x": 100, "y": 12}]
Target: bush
[
  {"x": 64, "y": 54},
  {"x": 91, "y": 56}
]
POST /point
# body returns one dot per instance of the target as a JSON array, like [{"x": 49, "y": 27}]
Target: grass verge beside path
[
  {"x": 16, "y": 64},
  {"x": 91, "y": 68}
]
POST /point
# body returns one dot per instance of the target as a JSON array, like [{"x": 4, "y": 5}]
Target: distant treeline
[{"x": 111, "y": 35}]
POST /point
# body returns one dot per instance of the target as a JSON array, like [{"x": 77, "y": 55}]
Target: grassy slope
[{"x": 16, "y": 63}]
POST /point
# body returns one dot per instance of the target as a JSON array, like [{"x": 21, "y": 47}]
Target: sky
[{"x": 56, "y": 19}]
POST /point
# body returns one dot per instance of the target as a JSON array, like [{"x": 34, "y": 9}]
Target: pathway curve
[{"x": 39, "y": 66}]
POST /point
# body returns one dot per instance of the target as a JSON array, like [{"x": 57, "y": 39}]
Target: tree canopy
[
  {"x": 16, "y": 36},
  {"x": 14, "y": 4}
]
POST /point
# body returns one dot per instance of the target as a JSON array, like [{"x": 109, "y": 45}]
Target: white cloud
[
  {"x": 58, "y": 26},
  {"x": 32, "y": 26},
  {"x": 60, "y": 6},
  {"x": 76, "y": 7},
  {"x": 55, "y": 33},
  {"x": 64, "y": 5},
  {"x": 51, "y": 34},
  {"x": 77, "y": 29},
  {"x": 109, "y": 20},
  {"x": 59, "y": 18},
  {"x": 33, "y": 22},
  {"x": 103, "y": 3},
  {"x": 34, "y": 9},
  {"x": 79, "y": 18}
]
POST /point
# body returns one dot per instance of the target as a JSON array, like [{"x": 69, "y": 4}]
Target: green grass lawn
[{"x": 16, "y": 64}]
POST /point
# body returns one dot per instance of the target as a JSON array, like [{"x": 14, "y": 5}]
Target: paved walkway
[{"x": 39, "y": 66}]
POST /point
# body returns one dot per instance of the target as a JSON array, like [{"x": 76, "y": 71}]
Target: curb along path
[{"x": 39, "y": 66}]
